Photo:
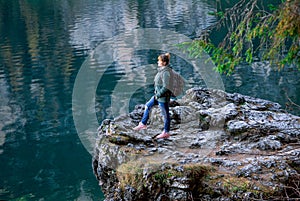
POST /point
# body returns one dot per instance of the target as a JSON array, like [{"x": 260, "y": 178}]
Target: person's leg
[
  {"x": 164, "y": 107},
  {"x": 148, "y": 106},
  {"x": 147, "y": 110}
]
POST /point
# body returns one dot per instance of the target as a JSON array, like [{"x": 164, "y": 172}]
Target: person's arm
[{"x": 165, "y": 85}]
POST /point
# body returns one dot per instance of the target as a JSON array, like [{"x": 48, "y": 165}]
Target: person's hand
[{"x": 157, "y": 96}]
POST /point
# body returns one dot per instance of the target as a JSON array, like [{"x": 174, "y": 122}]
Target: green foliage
[
  {"x": 162, "y": 177},
  {"x": 218, "y": 14},
  {"x": 272, "y": 35}
]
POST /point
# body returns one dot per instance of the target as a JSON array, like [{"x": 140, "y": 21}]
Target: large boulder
[{"x": 222, "y": 147}]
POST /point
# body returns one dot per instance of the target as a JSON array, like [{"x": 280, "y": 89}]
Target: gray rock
[
  {"x": 220, "y": 144},
  {"x": 248, "y": 170}
]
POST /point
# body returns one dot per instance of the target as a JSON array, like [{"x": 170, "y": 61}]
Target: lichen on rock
[{"x": 222, "y": 147}]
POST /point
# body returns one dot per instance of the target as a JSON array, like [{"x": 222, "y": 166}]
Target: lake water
[{"x": 44, "y": 45}]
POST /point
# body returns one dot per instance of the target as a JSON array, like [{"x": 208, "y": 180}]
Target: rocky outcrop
[{"x": 222, "y": 147}]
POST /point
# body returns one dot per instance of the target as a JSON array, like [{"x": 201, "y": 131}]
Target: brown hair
[{"x": 165, "y": 58}]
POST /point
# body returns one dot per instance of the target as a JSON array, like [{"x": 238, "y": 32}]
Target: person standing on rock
[{"x": 161, "y": 97}]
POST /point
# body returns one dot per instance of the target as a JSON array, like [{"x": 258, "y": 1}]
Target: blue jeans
[{"x": 164, "y": 107}]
